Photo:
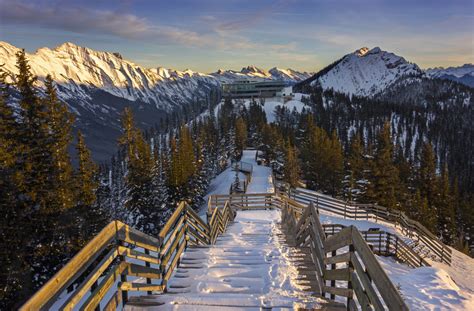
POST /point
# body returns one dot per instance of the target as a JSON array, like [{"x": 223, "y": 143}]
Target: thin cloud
[{"x": 83, "y": 20}]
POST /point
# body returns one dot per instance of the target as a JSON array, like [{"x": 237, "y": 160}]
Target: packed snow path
[
  {"x": 249, "y": 267},
  {"x": 262, "y": 179}
]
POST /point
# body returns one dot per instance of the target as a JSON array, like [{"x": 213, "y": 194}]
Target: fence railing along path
[
  {"x": 101, "y": 274},
  {"x": 356, "y": 211},
  {"x": 343, "y": 258},
  {"x": 103, "y": 268},
  {"x": 366, "y": 285}
]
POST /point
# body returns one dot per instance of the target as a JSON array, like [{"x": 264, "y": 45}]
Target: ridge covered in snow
[
  {"x": 78, "y": 69},
  {"x": 463, "y": 74},
  {"x": 366, "y": 72},
  {"x": 290, "y": 76}
]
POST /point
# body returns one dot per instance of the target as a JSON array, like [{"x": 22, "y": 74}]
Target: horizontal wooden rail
[
  {"x": 386, "y": 244},
  {"x": 344, "y": 257},
  {"x": 377, "y": 213},
  {"x": 108, "y": 265}
]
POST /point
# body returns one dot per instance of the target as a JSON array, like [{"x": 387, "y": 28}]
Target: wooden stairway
[{"x": 241, "y": 271}]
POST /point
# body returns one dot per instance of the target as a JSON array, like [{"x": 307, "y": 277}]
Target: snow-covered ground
[
  {"x": 249, "y": 267},
  {"x": 262, "y": 179},
  {"x": 220, "y": 185},
  {"x": 270, "y": 105}
]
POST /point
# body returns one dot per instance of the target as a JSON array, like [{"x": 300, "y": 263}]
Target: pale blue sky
[{"x": 205, "y": 35}]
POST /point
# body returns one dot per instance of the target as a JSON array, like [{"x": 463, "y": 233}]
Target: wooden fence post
[
  {"x": 351, "y": 267},
  {"x": 333, "y": 267}
]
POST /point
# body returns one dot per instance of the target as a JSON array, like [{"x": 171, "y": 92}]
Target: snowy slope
[
  {"x": 463, "y": 74},
  {"x": 366, "y": 72}
]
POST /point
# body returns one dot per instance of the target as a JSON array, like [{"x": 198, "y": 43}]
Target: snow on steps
[{"x": 251, "y": 266}]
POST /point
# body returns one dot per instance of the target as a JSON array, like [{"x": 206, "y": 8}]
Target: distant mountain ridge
[
  {"x": 290, "y": 76},
  {"x": 463, "y": 74}
]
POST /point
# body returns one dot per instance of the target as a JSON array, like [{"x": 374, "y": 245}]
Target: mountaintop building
[{"x": 252, "y": 88}]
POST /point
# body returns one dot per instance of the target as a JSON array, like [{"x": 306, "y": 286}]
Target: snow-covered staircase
[{"x": 252, "y": 266}]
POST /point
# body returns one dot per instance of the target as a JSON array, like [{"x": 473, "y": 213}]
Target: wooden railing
[
  {"x": 244, "y": 167},
  {"x": 344, "y": 258},
  {"x": 375, "y": 212},
  {"x": 385, "y": 244},
  {"x": 242, "y": 201},
  {"x": 119, "y": 255}
]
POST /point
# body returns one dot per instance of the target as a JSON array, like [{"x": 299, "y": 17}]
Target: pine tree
[
  {"x": 384, "y": 176},
  {"x": 240, "y": 136},
  {"x": 356, "y": 168},
  {"x": 60, "y": 125},
  {"x": 426, "y": 182},
  {"x": 93, "y": 214},
  {"x": 139, "y": 176},
  {"x": 85, "y": 177},
  {"x": 291, "y": 169},
  {"x": 446, "y": 209}
]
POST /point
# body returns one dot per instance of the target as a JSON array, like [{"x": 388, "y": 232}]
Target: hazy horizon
[{"x": 208, "y": 35}]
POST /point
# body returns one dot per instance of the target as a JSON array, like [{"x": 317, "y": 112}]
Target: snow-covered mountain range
[
  {"x": 290, "y": 76},
  {"x": 365, "y": 72},
  {"x": 97, "y": 86},
  {"x": 80, "y": 70},
  {"x": 463, "y": 74}
]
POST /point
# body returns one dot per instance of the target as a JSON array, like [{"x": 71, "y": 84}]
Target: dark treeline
[{"x": 412, "y": 157}]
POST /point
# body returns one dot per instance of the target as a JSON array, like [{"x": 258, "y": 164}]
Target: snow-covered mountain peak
[
  {"x": 365, "y": 72},
  {"x": 254, "y": 70}
]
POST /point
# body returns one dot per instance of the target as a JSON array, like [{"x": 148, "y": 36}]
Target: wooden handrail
[
  {"x": 102, "y": 261},
  {"x": 377, "y": 212},
  {"x": 364, "y": 276}
]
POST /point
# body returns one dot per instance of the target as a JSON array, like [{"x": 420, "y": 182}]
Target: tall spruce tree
[
  {"x": 139, "y": 178},
  {"x": 291, "y": 169},
  {"x": 384, "y": 176}
]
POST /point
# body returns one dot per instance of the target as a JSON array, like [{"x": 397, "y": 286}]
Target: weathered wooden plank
[
  {"x": 361, "y": 295},
  {"x": 86, "y": 285},
  {"x": 175, "y": 261},
  {"x": 338, "y": 291},
  {"x": 339, "y": 240},
  {"x": 100, "y": 291},
  {"x": 346, "y": 257},
  {"x": 343, "y": 274},
  {"x": 47, "y": 294},
  {"x": 364, "y": 279},
  {"x": 199, "y": 237},
  {"x": 170, "y": 223},
  {"x": 166, "y": 256},
  {"x": 115, "y": 302},
  {"x": 201, "y": 232},
  {"x": 143, "y": 271},
  {"x": 195, "y": 217},
  {"x": 389, "y": 293},
  {"x": 172, "y": 237},
  {"x": 138, "y": 238},
  {"x": 138, "y": 255}
]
